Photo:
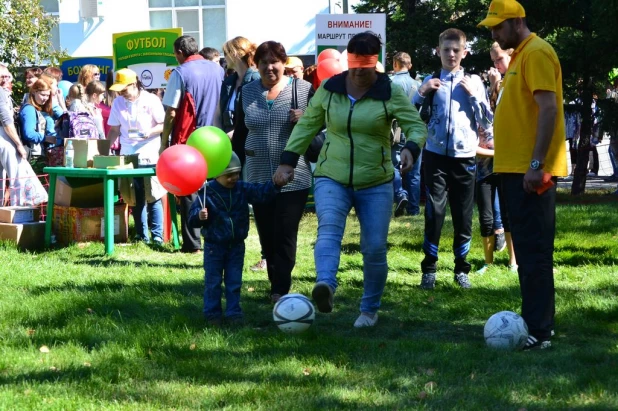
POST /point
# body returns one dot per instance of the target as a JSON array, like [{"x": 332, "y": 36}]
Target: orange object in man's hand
[{"x": 545, "y": 184}]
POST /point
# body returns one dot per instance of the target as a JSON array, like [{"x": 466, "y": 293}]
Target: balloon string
[{"x": 205, "y": 187}]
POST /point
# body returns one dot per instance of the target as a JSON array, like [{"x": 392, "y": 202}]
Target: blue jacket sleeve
[
  {"x": 29, "y": 125},
  {"x": 50, "y": 125},
  {"x": 260, "y": 193},
  {"x": 194, "y": 213},
  {"x": 57, "y": 112}
]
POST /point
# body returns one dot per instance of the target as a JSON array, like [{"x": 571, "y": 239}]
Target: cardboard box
[
  {"x": 78, "y": 192},
  {"x": 28, "y": 236},
  {"x": 18, "y": 215},
  {"x": 114, "y": 161},
  {"x": 74, "y": 224},
  {"x": 86, "y": 149}
]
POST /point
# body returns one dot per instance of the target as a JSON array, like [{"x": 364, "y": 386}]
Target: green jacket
[{"x": 357, "y": 149}]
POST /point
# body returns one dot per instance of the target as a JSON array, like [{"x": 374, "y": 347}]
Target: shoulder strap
[{"x": 294, "y": 93}]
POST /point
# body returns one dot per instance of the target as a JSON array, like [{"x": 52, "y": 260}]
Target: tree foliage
[
  {"x": 583, "y": 33},
  {"x": 25, "y": 34},
  {"x": 413, "y": 26}
]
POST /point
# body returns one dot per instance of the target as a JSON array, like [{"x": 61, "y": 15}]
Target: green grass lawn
[{"x": 80, "y": 330}]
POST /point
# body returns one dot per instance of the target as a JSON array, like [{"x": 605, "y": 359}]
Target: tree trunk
[
  {"x": 410, "y": 7},
  {"x": 583, "y": 147}
]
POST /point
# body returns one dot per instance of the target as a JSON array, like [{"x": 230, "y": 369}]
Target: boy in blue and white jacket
[
  {"x": 459, "y": 106},
  {"x": 224, "y": 222}
]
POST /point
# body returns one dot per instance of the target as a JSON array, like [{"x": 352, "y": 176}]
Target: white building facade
[{"x": 86, "y": 26}]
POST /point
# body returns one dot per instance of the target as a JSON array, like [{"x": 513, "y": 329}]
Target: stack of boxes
[
  {"x": 22, "y": 226},
  {"x": 78, "y": 202},
  {"x": 78, "y": 212}
]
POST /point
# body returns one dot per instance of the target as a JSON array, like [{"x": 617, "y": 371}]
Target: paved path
[
  {"x": 592, "y": 183},
  {"x": 605, "y": 170}
]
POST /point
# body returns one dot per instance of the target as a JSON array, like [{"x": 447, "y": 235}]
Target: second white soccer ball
[
  {"x": 293, "y": 313},
  {"x": 506, "y": 330}
]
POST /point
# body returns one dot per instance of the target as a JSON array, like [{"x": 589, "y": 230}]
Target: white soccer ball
[
  {"x": 293, "y": 313},
  {"x": 506, "y": 331}
]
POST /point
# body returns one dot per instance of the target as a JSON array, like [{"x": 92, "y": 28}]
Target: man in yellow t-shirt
[{"x": 529, "y": 149}]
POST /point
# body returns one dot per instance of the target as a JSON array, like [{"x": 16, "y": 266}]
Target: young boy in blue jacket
[
  {"x": 459, "y": 107},
  {"x": 224, "y": 222}
]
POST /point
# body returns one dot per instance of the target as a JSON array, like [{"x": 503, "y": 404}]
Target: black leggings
[
  {"x": 277, "y": 224},
  {"x": 486, "y": 190}
]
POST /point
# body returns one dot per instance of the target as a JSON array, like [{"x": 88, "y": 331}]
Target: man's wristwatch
[{"x": 536, "y": 165}]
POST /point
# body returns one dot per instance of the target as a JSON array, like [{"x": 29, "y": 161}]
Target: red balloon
[
  {"x": 328, "y": 68},
  {"x": 181, "y": 170},
  {"x": 328, "y": 54}
]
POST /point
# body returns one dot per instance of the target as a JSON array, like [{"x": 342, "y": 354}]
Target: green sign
[{"x": 149, "y": 53}]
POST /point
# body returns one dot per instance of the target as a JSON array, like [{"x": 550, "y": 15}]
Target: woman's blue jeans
[
  {"x": 154, "y": 217},
  {"x": 373, "y": 207}
]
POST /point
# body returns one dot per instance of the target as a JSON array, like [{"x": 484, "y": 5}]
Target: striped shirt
[{"x": 269, "y": 129}]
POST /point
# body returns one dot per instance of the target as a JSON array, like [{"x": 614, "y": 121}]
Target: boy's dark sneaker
[
  {"x": 235, "y": 320},
  {"x": 533, "y": 344},
  {"x": 428, "y": 282},
  {"x": 401, "y": 206},
  {"x": 462, "y": 280},
  {"x": 213, "y": 321},
  {"x": 500, "y": 243},
  {"x": 323, "y": 296}
]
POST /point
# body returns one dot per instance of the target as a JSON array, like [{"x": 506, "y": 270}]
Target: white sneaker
[{"x": 366, "y": 320}]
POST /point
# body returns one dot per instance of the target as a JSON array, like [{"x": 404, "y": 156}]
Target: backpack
[{"x": 79, "y": 125}]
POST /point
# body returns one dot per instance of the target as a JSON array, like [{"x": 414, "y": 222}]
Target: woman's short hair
[
  {"x": 366, "y": 43},
  {"x": 40, "y": 85},
  {"x": 241, "y": 48},
  {"x": 55, "y": 72},
  {"x": 271, "y": 51}
]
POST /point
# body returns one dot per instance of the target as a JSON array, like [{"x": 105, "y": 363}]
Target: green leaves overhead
[
  {"x": 583, "y": 32},
  {"x": 25, "y": 33}
]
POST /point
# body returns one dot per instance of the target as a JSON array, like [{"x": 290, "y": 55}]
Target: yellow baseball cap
[
  {"x": 122, "y": 79},
  {"x": 293, "y": 62},
  {"x": 500, "y": 10}
]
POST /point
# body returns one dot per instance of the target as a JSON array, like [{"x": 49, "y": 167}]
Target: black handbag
[{"x": 313, "y": 151}]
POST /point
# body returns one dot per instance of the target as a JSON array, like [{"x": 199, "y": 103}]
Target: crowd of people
[{"x": 498, "y": 144}]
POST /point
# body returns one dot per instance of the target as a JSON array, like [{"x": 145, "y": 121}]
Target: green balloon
[
  {"x": 214, "y": 145},
  {"x": 613, "y": 74}
]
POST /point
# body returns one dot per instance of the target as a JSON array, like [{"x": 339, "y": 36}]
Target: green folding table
[{"x": 108, "y": 176}]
